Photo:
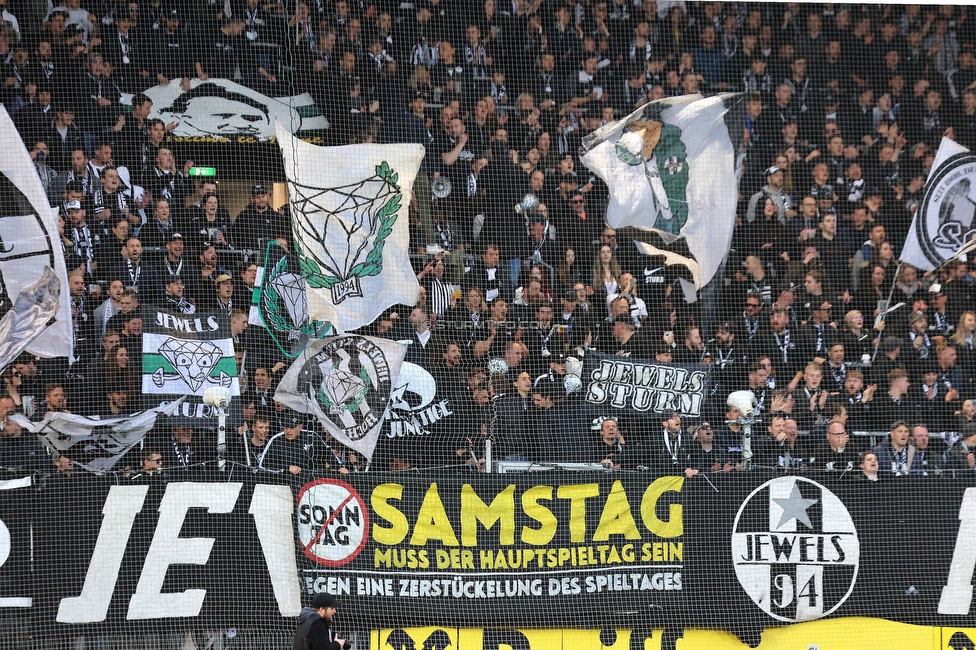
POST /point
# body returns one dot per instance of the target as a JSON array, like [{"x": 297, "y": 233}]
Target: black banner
[
  {"x": 16, "y": 593},
  {"x": 584, "y": 550},
  {"x": 644, "y": 386},
  {"x": 155, "y": 552}
]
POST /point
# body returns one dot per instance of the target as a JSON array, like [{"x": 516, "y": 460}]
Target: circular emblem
[
  {"x": 795, "y": 549},
  {"x": 944, "y": 221},
  {"x": 333, "y": 522},
  {"x": 350, "y": 381}
]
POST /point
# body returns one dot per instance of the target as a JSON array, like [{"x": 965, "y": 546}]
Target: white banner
[
  {"x": 29, "y": 241},
  {"x": 226, "y": 111},
  {"x": 349, "y": 210},
  {"x": 943, "y": 224},
  {"x": 93, "y": 443},
  {"x": 670, "y": 167},
  {"x": 347, "y": 383}
]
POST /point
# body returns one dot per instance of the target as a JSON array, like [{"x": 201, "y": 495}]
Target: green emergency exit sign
[{"x": 203, "y": 171}]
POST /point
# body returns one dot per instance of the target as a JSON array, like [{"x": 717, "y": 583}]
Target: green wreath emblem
[{"x": 386, "y": 217}]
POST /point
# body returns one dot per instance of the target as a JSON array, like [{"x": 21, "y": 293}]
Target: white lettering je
[
  {"x": 169, "y": 548},
  {"x": 121, "y": 507}
]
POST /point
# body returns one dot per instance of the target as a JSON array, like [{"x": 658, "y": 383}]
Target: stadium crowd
[{"x": 844, "y": 109}]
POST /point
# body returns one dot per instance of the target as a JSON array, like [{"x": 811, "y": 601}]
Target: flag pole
[{"x": 884, "y": 315}]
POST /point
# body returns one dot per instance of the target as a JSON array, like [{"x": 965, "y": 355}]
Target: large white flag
[
  {"x": 347, "y": 383},
  {"x": 349, "y": 216},
  {"x": 29, "y": 240},
  {"x": 943, "y": 224},
  {"x": 95, "y": 443},
  {"x": 670, "y": 167}
]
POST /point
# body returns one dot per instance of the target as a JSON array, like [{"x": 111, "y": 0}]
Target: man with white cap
[{"x": 773, "y": 189}]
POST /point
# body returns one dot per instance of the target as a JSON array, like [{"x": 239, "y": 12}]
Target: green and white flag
[
  {"x": 186, "y": 354},
  {"x": 670, "y": 169},
  {"x": 349, "y": 210},
  {"x": 347, "y": 382},
  {"x": 279, "y": 302}
]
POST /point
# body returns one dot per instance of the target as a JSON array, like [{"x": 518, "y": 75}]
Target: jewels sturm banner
[{"x": 644, "y": 386}]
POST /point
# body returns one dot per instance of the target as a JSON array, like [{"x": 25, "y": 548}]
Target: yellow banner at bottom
[{"x": 832, "y": 634}]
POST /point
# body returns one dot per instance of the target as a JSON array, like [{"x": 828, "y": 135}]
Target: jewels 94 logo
[
  {"x": 333, "y": 522},
  {"x": 795, "y": 549},
  {"x": 944, "y": 221}
]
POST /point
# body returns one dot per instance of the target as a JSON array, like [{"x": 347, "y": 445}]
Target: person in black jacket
[
  {"x": 286, "y": 452},
  {"x": 665, "y": 451},
  {"x": 315, "y": 625},
  {"x": 706, "y": 456}
]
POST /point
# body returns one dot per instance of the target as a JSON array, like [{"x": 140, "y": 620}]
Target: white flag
[
  {"x": 29, "y": 239},
  {"x": 943, "y": 224},
  {"x": 349, "y": 210},
  {"x": 670, "y": 167},
  {"x": 95, "y": 444},
  {"x": 347, "y": 382},
  {"x": 34, "y": 307}
]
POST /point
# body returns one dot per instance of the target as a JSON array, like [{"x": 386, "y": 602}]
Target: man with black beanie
[{"x": 315, "y": 625}]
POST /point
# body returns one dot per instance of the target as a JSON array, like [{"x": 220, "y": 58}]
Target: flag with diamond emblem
[
  {"x": 279, "y": 302},
  {"x": 347, "y": 382},
  {"x": 187, "y": 354},
  {"x": 349, "y": 209}
]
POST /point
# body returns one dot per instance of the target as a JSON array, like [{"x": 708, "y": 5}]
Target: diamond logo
[
  {"x": 342, "y": 387},
  {"x": 291, "y": 288},
  {"x": 283, "y": 303},
  {"x": 192, "y": 360},
  {"x": 349, "y": 379},
  {"x": 341, "y": 231}
]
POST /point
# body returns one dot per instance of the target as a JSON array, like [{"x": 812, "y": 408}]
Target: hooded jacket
[{"x": 314, "y": 632}]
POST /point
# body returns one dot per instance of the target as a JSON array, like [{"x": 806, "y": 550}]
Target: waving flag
[
  {"x": 95, "y": 443},
  {"x": 670, "y": 167},
  {"x": 348, "y": 383},
  {"x": 28, "y": 245},
  {"x": 942, "y": 228},
  {"x": 349, "y": 216}
]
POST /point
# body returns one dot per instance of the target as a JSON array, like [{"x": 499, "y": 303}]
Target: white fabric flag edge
[
  {"x": 16, "y": 164},
  {"x": 35, "y": 306}
]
